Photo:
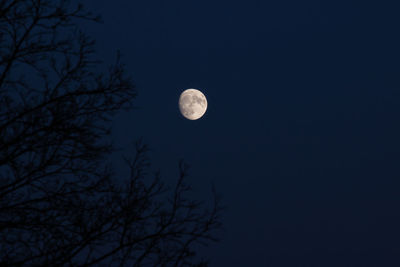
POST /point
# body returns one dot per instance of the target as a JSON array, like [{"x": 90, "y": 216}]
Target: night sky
[{"x": 302, "y": 132}]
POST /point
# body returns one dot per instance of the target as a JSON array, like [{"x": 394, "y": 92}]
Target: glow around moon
[{"x": 192, "y": 104}]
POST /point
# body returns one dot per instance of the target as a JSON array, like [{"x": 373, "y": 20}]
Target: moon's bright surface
[{"x": 192, "y": 104}]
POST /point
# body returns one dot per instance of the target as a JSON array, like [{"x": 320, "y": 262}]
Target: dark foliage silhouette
[{"x": 61, "y": 202}]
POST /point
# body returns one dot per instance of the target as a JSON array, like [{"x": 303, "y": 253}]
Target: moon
[{"x": 192, "y": 104}]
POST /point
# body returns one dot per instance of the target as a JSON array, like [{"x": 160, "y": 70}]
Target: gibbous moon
[{"x": 192, "y": 104}]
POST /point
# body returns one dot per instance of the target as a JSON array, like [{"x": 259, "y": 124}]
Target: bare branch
[{"x": 61, "y": 202}]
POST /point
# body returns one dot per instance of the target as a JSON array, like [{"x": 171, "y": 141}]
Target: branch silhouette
[{"x": 61, "y": 202}]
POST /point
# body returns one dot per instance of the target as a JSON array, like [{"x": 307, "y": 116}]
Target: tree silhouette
[{"x": 61, "y": 202}]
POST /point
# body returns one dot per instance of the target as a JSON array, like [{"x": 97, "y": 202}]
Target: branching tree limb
[{"x": 61, "y": 203}]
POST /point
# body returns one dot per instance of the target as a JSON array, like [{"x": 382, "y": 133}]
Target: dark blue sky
[{"x": 302, "y": 132}]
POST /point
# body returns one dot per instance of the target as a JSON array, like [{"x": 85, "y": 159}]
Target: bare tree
[{"x": 61, "y": 203}]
